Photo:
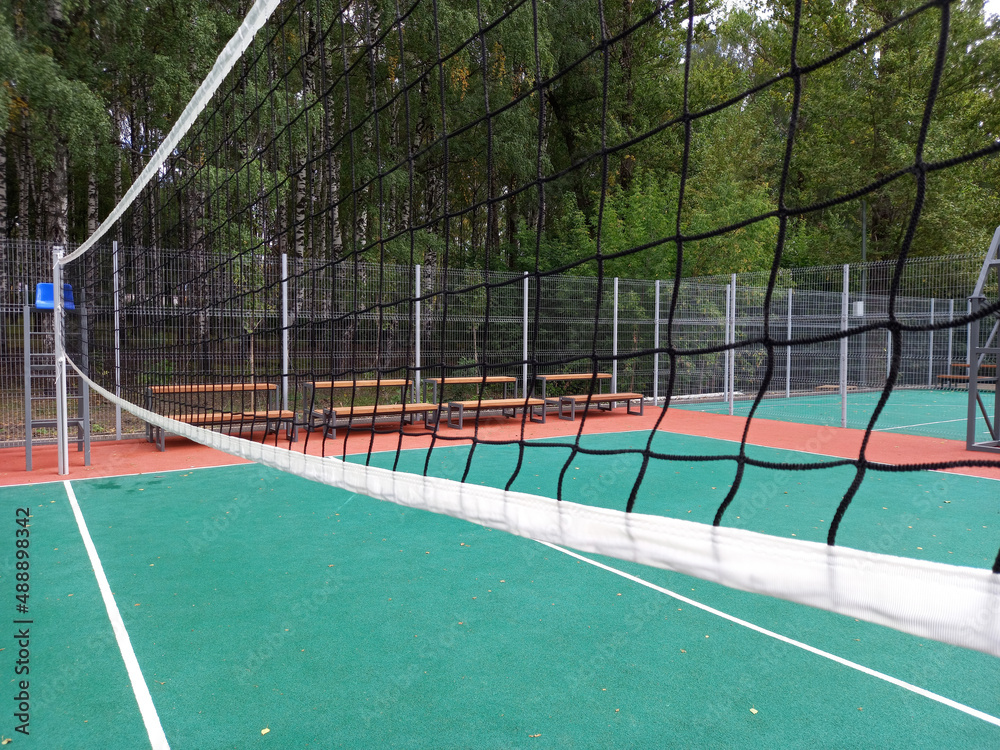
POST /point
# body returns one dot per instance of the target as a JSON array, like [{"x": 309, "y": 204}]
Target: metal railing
[{"x": 319, "y": 319}]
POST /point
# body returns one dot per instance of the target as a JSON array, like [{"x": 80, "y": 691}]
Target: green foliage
[{"x": 388, "y": 156}]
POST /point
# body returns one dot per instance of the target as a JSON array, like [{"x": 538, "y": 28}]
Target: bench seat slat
[
  {"x": 584, "y": 401},
  {"x": 210, "y": 388},
  {"x": 476, "y": 406},
  {"x": 465, "y": 380},
  {"x": 497, "y": 403},
  {"x": 227, "y": 417},
  {"x": 380, "y": 409},
  {"x": 576, "y": 376},
  {"x": 388, "y": 383},
  {"x": 580, "y": 398}
]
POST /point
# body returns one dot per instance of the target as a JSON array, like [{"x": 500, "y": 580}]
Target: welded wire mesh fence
[{"x": 396, "y": 321}]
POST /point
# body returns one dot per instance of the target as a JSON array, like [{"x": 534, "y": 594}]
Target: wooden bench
[
  {"x": 471, "y": 380},
  {"x": 406, "y": 413},
  {"x": 503, "y": 404},
  {"x": 603, "y": 401},
  {"x": 949, "y": 382},
  {"x": 204, "y": 416},
  {"x": 569, "y": 377},
  {"x": 313, "y": 418}
]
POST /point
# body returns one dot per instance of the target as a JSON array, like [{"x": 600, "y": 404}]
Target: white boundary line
[
  {"x": 157, "y": 739},
  {"x": 921, "y": 424},
  {"x": 130, "y": 474},
  {"x": 975, "y": 713}
]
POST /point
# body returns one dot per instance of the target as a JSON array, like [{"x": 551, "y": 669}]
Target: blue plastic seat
[{"x": 45, "y": 299}]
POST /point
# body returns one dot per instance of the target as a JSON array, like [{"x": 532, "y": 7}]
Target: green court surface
[
  {"x": 257, "y": 600},
  {"x": 915, "y": 411}
]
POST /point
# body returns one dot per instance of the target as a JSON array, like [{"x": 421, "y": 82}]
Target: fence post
[
  {"x": 118, "y": 342},
  {"x": 951, "y": 333},
  {"x": 844, "y": 304},
  {"x": 416, "y": 334},
  {"x": 888, "y": 353},
  {"x": 614, "y": 343},
  {"x": 62, "y": 428},
  {"x": 968, "y": 338},
  {"x": 725, "y": 358},
  {"x": 930, "y": 349},
  {"x": 732, "y": 351},
  {"x": 656, "y": 342},
  {"x": 524, "y": 341},
  {"x": 284, "y": 331},
  {"x": 788, "y": 350}
]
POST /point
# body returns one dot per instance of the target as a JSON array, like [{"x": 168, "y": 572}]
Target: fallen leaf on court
[
  {"x": 6, "y": 741},
  {"x": 534, "y": 735},
  {"x": 265, "y": 730},
  {"x": 753, "y": 710}
]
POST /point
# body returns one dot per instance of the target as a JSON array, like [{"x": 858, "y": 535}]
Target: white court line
[
  {"x": 921, "y": 424},
  {"x": 785, "y": 639},
  {"x": 131, "y": 474},
  {"x": 157, "y": 738}
]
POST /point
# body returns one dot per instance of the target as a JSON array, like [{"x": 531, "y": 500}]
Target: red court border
[{"x": 117, "y": 458}]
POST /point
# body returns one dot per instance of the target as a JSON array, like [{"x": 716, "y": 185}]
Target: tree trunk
[
  {"x": 626, "y": 169},
  {"x": 4, "y": 223},
  {"x": 199, "y": 265},
  {"x": 58, "y": 198},
  {"x": 4, "y": 234},
  {"x": 92, "y": 220},
  {"x": 23, "y": 189}
]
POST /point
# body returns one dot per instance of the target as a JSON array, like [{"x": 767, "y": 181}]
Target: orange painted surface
[{"x": 139, "y": 457}]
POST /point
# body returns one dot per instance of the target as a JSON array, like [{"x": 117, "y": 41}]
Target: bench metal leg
[
  {"x": 531, "y": 413},
  {"x": 628, "y": 406},
  {"x": 567, "y": 402},
  {"x": 461, "y": 416}
]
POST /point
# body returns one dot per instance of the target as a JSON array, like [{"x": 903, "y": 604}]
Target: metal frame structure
[
  {"x": 45, "y": 365},
  {"x": 984, "y": 352}
]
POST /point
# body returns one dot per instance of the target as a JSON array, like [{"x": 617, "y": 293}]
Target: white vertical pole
[
  {"x": 284, "y": 331},
  {"x": 524, "y": 341},
  {"x": 59, "y": 307},
  {"x": 614, "y": 343},
  {"x": 732, "y": 340},
  {"x": 888, "y": 353},
  {"x": 416, "y": 335},
  {"x": 930, "y": 349},
  {"x": 118, "y": 340},
  {"x": 725, "y": 359},
  {"x": 951, "y": 333},
  {"x": 788, "y": 351},
  {"x": 844, "y": 303},
  {"x": 969, "y": 343},
  {"x": 656, "y": 341}
]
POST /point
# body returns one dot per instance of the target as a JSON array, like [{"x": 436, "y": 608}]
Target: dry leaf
[
  {"x": 753, "y": 710},
  {"x": 265, "y": 730}
]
